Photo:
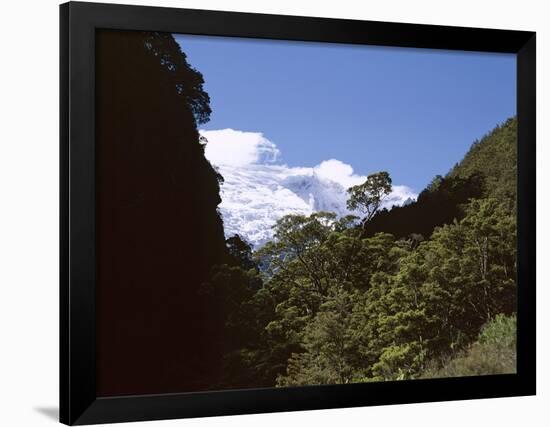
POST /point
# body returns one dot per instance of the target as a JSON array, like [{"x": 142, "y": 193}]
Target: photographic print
[{"x": 277, "y": 213}]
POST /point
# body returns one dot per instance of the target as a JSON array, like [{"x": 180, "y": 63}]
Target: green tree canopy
[{"x": 368, "y": 197}]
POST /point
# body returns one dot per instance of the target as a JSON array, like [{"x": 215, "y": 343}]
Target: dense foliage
[
  {"x": 495, "y": 157},
  {"x": 330, "y": 301}
]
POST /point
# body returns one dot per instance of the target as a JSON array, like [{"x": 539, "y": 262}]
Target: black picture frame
[{"x": 79, "y": 403}]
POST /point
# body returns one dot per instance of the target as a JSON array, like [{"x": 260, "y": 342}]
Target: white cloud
[
  {"x": 337, "y": 171},
  {"x": 238, "y": 148},
  {"x": 258, "y": 189}
]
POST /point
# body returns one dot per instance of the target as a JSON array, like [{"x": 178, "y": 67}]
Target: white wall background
[{"x": 29, "y": 210}]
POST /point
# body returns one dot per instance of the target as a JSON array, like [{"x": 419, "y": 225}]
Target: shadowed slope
[{"x": 158, "y": 228}]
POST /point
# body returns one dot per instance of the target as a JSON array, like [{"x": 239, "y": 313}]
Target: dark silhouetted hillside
[{"x": 159, "y": 232}]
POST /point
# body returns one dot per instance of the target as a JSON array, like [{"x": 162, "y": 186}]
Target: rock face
[{"x": 158, "y": 229}]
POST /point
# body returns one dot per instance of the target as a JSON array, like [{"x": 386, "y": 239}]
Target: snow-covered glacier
[{"x": 258, "y": 188}]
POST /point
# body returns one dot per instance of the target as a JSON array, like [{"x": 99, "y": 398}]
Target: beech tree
[{"x": 368, "y": 197}]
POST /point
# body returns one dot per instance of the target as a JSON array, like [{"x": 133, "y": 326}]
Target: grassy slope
[{"x": 493, "y": 353}]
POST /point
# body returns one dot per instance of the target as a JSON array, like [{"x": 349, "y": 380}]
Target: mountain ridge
[{"x": 488, "y": 169}]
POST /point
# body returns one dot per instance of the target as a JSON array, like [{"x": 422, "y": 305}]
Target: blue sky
[{"x": 411, "y": 112}]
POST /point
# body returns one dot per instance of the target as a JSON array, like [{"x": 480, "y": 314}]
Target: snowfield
[{"x": 258, "y": 189}]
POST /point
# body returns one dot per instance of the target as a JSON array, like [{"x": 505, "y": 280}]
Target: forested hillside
[
  {"x": 488, "y": 170},
  {"x": 495, "y": 158},
  {"x": 342, "y": 302}
]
